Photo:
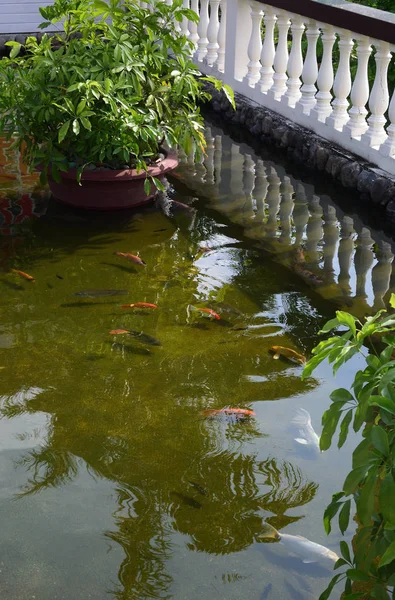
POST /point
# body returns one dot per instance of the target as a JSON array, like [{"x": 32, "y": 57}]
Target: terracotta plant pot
[{"x": 110, "y": 189}]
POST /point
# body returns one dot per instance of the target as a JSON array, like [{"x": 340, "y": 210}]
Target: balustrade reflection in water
[{"x": 332, "y": 251}]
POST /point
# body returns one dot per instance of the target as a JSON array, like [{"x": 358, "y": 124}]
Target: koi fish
[
  {"x": 187, "y": 500},
  {"x": 200, "y": 489},
  {"x": 24, "y": 275},
  {"x": 238, "y": 412},
  {"x": 292, "y": 355},
  {"x": 139, "y": 305},
  {"x": 118, "y": 331},
  {"x": 99, "y": 293},
  {"x": 308, "y": 437},
  {"x": 310, "y": 552},
  {"x": 142, "y": 337},
  {"x": 132, "y": 257},
  {"x": 207, "y": 311}
]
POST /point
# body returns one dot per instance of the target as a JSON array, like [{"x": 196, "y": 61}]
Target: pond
[{"x": 116, "y": 481}]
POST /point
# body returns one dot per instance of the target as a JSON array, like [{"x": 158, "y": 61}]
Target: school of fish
[{"x": 308, "y": 551}]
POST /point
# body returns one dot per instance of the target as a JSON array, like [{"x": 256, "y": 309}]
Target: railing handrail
[{"x": 358, "y": 18}]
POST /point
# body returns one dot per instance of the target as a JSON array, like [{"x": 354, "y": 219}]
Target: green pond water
[{"x": 113, "y": 483}]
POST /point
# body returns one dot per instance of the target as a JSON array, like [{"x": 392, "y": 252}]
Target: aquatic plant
[
  {"x": 368, "y": 566},
  {"x": 110, "y": 89}
]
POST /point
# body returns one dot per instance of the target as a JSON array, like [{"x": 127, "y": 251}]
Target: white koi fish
[
  {"x": 309, "y": 552},
  {"x": 307, "y": 435}
]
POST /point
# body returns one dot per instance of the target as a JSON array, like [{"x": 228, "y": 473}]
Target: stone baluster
[
  {"x": 212, "y": 34},
  {"x": 285, "y": 212},
  {"x": 268, "y": 51},
  {"x": 363, "y": 261},
  {"x": 260, "y": 191},
  {"x": 381, "y": 274},
  {"x": 273, "y": 202},
  {"x": 184, "y": 22},
  {"x": 202, "y": 31},
  {"x": 295, "y": 63},
  {"x": 379, "y": 98},
  {"x": 217, "y": 159},
  {"x": 310, "y": 70},
  {"x": 314, "y": 231},
  {"x": 209, "y": 158},
  {"x": 300, "y": 214},
  {"x": 200, "y": 169},
  {"x": 235, "y": 200},
  {"x": 331, "y": 238},
  {"x": 357, "y": 124},
  {"x": 193, "y": 34},
  {"x": 255, "y": 45},
  {"x": 345, "y": 254},
  {"x": 248, "y": 212},
  {"x": 220, "y": 64},
  {"x": 323, "y": 108},
  {"x": 342, "y": 84},
  {"x": 281, "y": 57},
  {"x": 388, "y": 148}
]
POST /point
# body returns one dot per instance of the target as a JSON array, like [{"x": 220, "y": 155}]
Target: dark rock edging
[{"x": 304, "y": 147}]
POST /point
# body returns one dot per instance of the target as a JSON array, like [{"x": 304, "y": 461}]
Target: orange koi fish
[
  {"x": 24, "y": 275},
  {"x": 132, "y": 257},
  {"x": 118, "y": 331},
  {"x": 208, "y": 311},
  {"x": 139, "y": 305},
  {"x": 288, "y": 353},
  {"x": 240, "y": 412}
]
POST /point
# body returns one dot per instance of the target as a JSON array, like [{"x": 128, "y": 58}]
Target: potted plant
[{"x": 97, "y": 106}]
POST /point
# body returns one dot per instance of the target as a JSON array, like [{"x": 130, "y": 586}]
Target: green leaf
[
  {"x": 345, "y": 424},
  {"x": 330, "y": 420},
  {"x": 344, "y": 318},
  {"x": 383, "y": 402},
  {"x": 345, "y": 551},
  {"x": 355, "y": 596},
  {"x": 354, "y": 478},
  {"x": 326, "y": 593},
  {"x": 86, "y": 123},
  {"x": 392, "y": 300},
  {"x": 329, "y": 325},
  {"x": 16, "y": 48},
  {"x": 387, "y": 498},
  {"x": 329, "y": 513},
  {"x": 147, "y": 186},
  {"x": 340, "y": 563},
  {"x": 365, "y": 502},
  {"x": 80, "y": 107},
  {"x": 379, "y": 438},
  {"x": 380, "y": 593},
  {"x": 356, "y": 575},
  {"x": 344, "y": 516},
  {"x": 63, "y": 131},
  {"x": 341, "y": 395}
]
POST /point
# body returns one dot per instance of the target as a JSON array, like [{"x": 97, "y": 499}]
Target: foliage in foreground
[
  {"x": 369, "y": 489},
  {"x": 115, "y": 84}
]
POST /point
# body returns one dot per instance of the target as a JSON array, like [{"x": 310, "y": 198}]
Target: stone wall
[{"x": 304, "y": 147}]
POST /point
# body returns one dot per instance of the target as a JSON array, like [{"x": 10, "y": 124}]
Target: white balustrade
[
  {"x": 379, "y": 98},
  {"x": 295, "y": 63},
  {"x": 184, "y": 22},
  {"x": 202, "y": 31},
  {"x": 268, "y": 51},
  {"x": 281, "y": 57},
  {"x": 212, "y": 33},
  {"x": 235, "y": 41},
  {"x": 255, "y": 44},
  {"x": 357, "y": 124},
  {"x": 323, "y": 108},
  {"x": 222, "y": 38},
  {"x": 192, "y": 26},
  {"x": 310, "y": 70},
  {"x": 342, "y": 84}
]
